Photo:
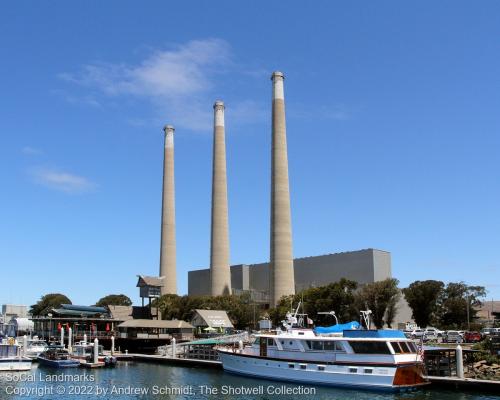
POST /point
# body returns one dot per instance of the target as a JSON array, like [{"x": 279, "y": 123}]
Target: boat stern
[{"x": 408, "y": 376}]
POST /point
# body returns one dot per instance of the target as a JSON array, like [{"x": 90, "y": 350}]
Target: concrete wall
[
  {"x": 13, "y": 311},
  {"x": 199, "y": 282},
  {"x": 363, "y": 266},
  {"x": 240, "y": 277}
]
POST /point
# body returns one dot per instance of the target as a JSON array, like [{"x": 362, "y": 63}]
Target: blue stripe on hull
[
  {"x": 391, "y": 389},
  {"x": 59, "y": 364}
]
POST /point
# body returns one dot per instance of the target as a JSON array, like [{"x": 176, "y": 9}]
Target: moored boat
[
  {"x": 84, "y": 353},
  {"x": 35, "y": 347},
  {"x": 367, "y": 359},
  {"x": 11, "y": 358},
  {"x": 57, "y": 357}
]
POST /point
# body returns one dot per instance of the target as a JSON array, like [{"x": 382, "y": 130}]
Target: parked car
[
  {"x": 432, "y": 334},
  {"x": 436, "y": 331},
  {"x": 486, "y": 332},
  {"x": 417, "y": 333},
  {"x": 472, "y": 337},
  {"x": 452, "y": 337}
]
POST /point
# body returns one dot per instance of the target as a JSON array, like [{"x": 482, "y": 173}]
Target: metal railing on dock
[{"x": 202, "y": 349}]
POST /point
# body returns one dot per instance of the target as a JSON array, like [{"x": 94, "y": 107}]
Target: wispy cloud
[
  {"x": 31, "y": 151},
  {"x": 62, "y": 181},
  {"x": 177, "y": 81}
]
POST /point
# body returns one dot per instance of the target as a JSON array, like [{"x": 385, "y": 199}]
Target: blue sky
[{"x": 393, "y": 136}]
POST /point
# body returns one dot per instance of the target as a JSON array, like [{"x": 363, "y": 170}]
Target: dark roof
[
  {"x": 124, "y": 313},
  {"x": 71, "y": 309},
  {"x": 121, "y": 313},
  {"x": 150, "y": 281}
]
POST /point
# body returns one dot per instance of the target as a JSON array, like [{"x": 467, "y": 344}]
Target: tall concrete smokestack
[
  {"x": 167, "y": 250},
  {"x": 220, "y": 274},
  {"x": 282, "y": 281}
]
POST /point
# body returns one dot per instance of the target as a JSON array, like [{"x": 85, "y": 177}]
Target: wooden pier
[
  {"x": 154, "y": 358},
  {"x": 480, "y": 385}
]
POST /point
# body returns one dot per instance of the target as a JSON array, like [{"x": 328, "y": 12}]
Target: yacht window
[
  {"x": 291, "y": 343},
  {"x": 412, "y": 347},
  {"x": 339, "y": 347},
  {"x": 317, "y": 345},
  {"x": 321, "y": 367},
  {"x": 330, "y": 345},
  {"x": 301, "y": 333},
  {"x": 257, "y": 341},
  {"x": 291, "y": 365},
  {"x": 353, "y": 370},
  {"x": 270, "y": 342},
  {"x": 368, "y": 370},
  {"x": 405, "y": 347},
  {"x": 370, "y": 347},
  {"x": 303, "y": 366},
  {"x": 396, "y": 347}
]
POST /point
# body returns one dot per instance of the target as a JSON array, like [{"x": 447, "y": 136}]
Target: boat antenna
[{"x": 365, "y": 314}]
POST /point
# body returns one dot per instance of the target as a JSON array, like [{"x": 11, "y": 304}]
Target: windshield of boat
[{"x": 370, "y": 347}]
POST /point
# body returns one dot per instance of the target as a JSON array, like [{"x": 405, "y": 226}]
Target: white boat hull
[
  {"x": 359, "y": 376},
  {"x": 15, "y": 364}
]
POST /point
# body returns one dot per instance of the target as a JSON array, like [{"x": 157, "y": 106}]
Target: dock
[
  {"x": 92, "y": 365},
  {"x": 161, "y": 359},
  {"x": 465, "y": 383}
]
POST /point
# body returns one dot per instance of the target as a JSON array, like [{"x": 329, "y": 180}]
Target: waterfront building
[
  {"x": 146, "y": 335},
  {"x": 150, "y": 288},
  {"x": 95, "y": 322},
  {"x": 207, "y": 321}
]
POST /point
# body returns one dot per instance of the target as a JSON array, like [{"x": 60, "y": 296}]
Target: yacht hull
[
  {"x": 70, "y": 363},
  {"x": 15, "y": 364},
  {"x": 368, "y": 377}
]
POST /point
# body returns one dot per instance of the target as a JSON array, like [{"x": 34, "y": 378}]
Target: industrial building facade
[{"x": 362, "y": 266}]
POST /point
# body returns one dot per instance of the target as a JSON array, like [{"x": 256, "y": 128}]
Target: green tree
[
  {"x": 47, "y": 303},
  {"x": 378, "y": 297},
  {"x": 392, "y": 309},
  {"x": 424, "y": 297},
  {"x": 114, "y": 300},
  {"x": 458, "y": 304},
  {"x": 336, "y": 296},
  {"x": 240, "y": 309}
]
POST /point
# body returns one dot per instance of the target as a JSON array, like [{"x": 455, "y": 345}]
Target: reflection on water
[{"x": 151, "y": 381}]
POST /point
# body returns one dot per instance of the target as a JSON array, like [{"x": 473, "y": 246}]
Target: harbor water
[{"x": 153, "y": 381}]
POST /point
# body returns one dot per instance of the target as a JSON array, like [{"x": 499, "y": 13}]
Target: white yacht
[
  {"x": 370, "y": 359},
  {"x": 11, "y": 358},
  {"x": 35, "y": 347}
]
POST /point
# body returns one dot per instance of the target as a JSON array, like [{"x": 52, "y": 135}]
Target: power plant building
[{"x": 362, "y": 266}]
